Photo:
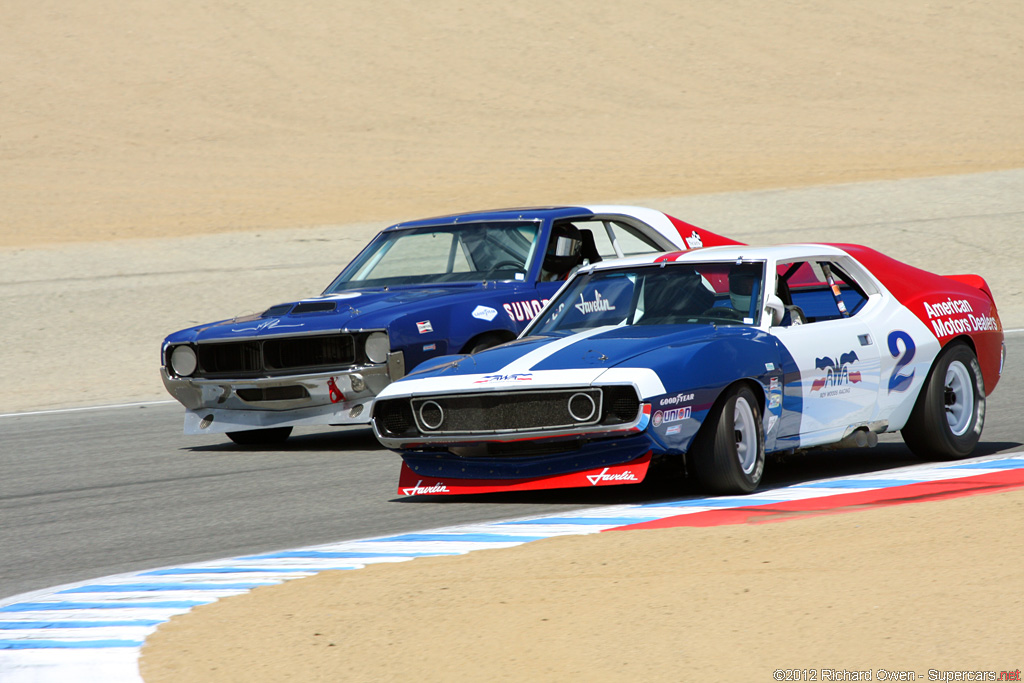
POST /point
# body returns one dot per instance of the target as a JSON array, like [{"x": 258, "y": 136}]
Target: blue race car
[
  {"x": 712, "y": 358},
  {"x": 453, "y": 284}
]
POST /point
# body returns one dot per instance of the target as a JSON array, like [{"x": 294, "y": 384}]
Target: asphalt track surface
[{"x": 90, "y": 493}]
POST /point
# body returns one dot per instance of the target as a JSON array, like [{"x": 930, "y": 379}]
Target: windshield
[
  {"x": 445, "y": 253},
  {"x": 661, "y": 294}
]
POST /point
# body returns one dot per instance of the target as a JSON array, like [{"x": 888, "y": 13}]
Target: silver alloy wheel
[
  {"x": 958, "y": 398},
  {"x": 746, "y": 435}
]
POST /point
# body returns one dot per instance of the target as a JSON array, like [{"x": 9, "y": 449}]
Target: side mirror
[{"x": 774, "y": 308}]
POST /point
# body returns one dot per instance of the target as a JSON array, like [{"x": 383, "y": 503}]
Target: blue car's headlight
[
  {"x": 377, "y": 347},
  {"x": 183, "y": 360}
]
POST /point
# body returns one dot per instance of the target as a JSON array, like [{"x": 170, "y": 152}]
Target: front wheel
[
  {"x": 949, "y": 414},
  {"x": 261, "y": 437},
  {"x": 727, "y": 454}
]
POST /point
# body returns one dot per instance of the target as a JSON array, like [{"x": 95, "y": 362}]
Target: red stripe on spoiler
[
  {"x": 633, "y": 472},
  {"x": 992, "y": 482}
]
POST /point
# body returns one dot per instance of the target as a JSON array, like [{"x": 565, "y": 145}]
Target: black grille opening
[
  {"x": 621, "y": 405},
  {"x": 393, "y": 418},
  {"x": 503, "y": 412},
  {"x": 302, "y": 352},
  {"x": 289, "y": 393},
  {"x": 230, "y": 357},
  {"x": 252, "y": 357}
]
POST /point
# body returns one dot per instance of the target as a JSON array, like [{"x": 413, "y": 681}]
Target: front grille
[
  {"x": 289, "y": 393},
  {"x": 621, "y": 404},
  {"x": 508, "y": 412},
  {"x": 393, "y": 417},
  {"x": 254, "y": 357}
]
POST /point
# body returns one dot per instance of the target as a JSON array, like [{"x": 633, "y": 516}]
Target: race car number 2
[{"x": 900, "y": 381}]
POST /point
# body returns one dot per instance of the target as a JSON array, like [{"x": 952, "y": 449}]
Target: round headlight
[
  {"x": 431, "y": 415},
  {"x": 183, "y": 360},
  {"x": 582, "y": 407},
  {"x": 377, "y": 347}
]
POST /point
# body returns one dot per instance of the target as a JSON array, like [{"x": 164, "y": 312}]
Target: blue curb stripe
[
  {"x": 15, "y": 625},
  {"x": 341, "y": 555},
  {"x": 66, "y": 644},
  {"x": 716, "y": 503},
  {"x": 160, "y": 587},
  {"x": 584, "y": 521},
  {"x": 861, "y": 484},
  {"x": 1011, "y": 464},
  {"x": 53, "y": 606}
]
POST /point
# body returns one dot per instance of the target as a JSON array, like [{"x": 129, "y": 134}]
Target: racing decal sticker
[
  {"x": 694, "y": 241},
  {"x": 418, "y": 490},
  {"x": 524, "y": 310},
  {"x": 676, "y": 400},
  {"x": 514, "y": 377},
  {"x": 838, "y": 375},
  {"x": 484, "y": 313},
  {"x": 424, "y": 327},
  {"x": 412, "y": 484},
  {"x": 674, "y": 415},
  {"x": 265, "y": 325},
  {"x": 956, "y": 316},
  {"x": 898, "y": 380},
  {"x": 598, "y": 305}
]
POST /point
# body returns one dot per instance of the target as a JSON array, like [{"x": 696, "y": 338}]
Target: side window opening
[{"x": 806, "y": 289}]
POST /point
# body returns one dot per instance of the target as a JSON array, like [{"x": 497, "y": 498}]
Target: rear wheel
[
  {"x": 261, "y": 437},
  {"x": 727, "y": 454},
  {"x": 948, "y": 417}
]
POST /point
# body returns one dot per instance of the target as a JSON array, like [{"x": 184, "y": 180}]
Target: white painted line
[{"x": 57, "y": 411}]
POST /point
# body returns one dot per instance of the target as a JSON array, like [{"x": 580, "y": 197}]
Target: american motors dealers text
[
  {"x": 894, "y": 675},
  {"x": 944, "y": 323}
]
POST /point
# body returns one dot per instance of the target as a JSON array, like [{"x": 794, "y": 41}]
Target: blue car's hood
[
  {"x": 356, "y": 309},
  {"x": 603, "y": 353}
]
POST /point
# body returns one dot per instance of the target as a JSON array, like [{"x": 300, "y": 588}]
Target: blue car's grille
[
  {"x": 275, "y": 356},
  {"x": 507, "y": 412}
]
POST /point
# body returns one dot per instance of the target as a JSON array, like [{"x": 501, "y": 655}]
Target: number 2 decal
[{"x": 899, "y": 381}]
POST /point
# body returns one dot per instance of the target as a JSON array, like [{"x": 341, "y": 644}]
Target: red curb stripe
[{"x": 991, "y": 482}]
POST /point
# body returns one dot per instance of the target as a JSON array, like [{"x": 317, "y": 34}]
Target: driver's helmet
[
  {"x": 564, "y": 247},
  {"x": 741, "y": 285}
]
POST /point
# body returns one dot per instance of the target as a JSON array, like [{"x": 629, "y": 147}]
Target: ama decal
[{"x": 838, "y": 374}]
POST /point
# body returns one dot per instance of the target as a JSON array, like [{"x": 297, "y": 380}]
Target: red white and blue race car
[
  {"x": 420, "y": 289},
  {"x": 713, "y": 357}
]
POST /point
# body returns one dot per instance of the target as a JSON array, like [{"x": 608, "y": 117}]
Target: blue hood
[
  {"x": 603, "y": 350},
  {"x": 353, "y": 310}
]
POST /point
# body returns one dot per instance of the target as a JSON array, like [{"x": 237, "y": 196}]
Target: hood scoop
[{"x": 315, "y": 307}]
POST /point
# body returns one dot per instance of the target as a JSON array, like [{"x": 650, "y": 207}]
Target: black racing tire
[
  {"x": 261, "y": 437},
  {"x": 727, "y": 455},
  {"x": 947, "y": 419}
]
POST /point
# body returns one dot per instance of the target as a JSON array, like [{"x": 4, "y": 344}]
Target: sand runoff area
[{"x": 177, "y": 162}]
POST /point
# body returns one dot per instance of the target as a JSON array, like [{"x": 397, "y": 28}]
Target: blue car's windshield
[
  {"x": 669, "y": 294},
  {"x": 444, "y": 253}
]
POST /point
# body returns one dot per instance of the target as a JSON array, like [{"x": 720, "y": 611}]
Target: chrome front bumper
[{"x": 215, "y": 406}]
